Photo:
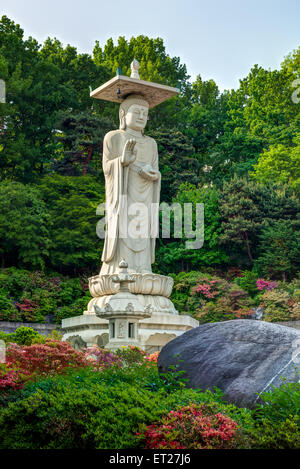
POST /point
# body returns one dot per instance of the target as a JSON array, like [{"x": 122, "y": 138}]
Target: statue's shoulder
[
  {"x": 113, "y": 135},
  {"x": 151, "y": 141}
]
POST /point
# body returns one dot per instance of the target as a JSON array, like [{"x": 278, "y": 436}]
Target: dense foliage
[
  {"x": 211, "y": 298},
  {"x": 95, "y": 399},
  {"x": 36, "y": 297}
]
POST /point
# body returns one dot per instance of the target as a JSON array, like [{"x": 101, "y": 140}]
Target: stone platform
[
  {"x": 151, "y": 291},
  {"x": 88, "y": 330}
]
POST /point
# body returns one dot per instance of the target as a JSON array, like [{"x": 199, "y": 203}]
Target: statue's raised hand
[{"x": 129, "y": 152}]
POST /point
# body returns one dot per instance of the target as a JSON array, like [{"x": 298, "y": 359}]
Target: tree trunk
[{"x": 248, "y": 247}]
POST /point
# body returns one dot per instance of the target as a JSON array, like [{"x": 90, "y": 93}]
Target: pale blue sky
[{"x": 214, "y": 38}]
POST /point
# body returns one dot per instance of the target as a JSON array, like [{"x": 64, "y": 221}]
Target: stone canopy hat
[{"x": 120, "y": 87}]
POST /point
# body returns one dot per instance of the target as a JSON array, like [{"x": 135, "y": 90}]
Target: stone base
[{"x": 88, "y": 330}]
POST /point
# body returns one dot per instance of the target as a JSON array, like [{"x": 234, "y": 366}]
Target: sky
[{"x": 218, "y": 39}]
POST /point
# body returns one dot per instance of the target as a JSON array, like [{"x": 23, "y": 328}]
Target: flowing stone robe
[{"x": 120, "y": 181}]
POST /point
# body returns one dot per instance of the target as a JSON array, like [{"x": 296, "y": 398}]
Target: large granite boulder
[{"x": 242, "y": 357}]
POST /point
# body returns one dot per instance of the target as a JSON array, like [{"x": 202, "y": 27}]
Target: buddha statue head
[{"x": 133, "y": 113}]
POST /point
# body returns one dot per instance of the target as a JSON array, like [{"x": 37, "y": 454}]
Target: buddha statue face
[
  {"x": 134, "y": 113},
  {"x": 136, "y": 117}
]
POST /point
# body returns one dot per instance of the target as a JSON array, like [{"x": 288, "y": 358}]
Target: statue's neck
[{"x": 134, "y": 133}]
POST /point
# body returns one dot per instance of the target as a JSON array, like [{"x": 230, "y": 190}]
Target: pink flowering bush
[
  {"x": 102, "y": 358},
  {"x": 266, "y": 284},
  {"x": 124, "y": 356},
  {"x": 192, "y": 427},
  {"x": 220, "y": 300},
  {"x": 210, "y": 289}
]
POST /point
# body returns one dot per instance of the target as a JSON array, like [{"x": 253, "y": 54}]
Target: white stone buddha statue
[{"x": 132, "y": 181}]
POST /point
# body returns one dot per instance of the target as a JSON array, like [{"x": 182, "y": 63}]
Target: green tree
[
  {"x": 260, "y": 113},
  {"x": 41, "y": 82},
  {"x": 246, "y": 207},
  {"x": 279, "y": 252},
  {"x": 173, "y": 254},
  {"x": 25, "y": 225},
  {"x": 178, "y": 162},
  {"x": 279, "y": 164},
  {"x": 72, "y": 203},
  {"x": 81, "y": 135}
]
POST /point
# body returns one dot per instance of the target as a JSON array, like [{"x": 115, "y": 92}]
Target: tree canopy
[{"x": 236, "y": 151}]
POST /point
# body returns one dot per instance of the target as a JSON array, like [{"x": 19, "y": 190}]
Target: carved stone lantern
[{"x": 123, "y": 311}]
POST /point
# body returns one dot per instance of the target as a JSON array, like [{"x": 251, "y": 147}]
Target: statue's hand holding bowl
[
  {"x": 147, "y": 172},
  {"x": 129, "y": 152}
]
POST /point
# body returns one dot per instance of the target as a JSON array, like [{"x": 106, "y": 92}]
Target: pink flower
[{"x": 265, "y": 284}]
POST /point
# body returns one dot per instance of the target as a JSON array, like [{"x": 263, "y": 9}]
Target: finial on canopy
[{"x": 135, "y": 69}]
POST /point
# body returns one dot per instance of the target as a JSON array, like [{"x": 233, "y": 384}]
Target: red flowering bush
[
  {"x": 28, "y": 309},
  {"x": 192, "y": 427},
  {"x": 24, "y": 362},
  {"x": 10, "y": 378}
]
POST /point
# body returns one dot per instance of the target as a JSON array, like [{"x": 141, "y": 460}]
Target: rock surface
[{"x": 241, "y": 357}]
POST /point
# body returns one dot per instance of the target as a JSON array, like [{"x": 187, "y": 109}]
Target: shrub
[
  {"x": 248, "y": 282},
  {"x": 210, "y": 298},
  {"x": 7, "y": 337},
  {"x": 48, "y": 358},
  {"x": 281, "y": 435},
  {"x": 69, "y": 291},
  {"x": 280, "y": 403},
  {"x": 102, "y": 358},
  {"x": 75, "y": 309},
  {"x": 210, "y": 289},
  {"x": 266, "y": 284},
  {"x": 29, "y": 310},
  {"x": 280, "y": 305},
  {"x": 14, "y": 281},
  {"x": 232, "y": 303},
  {"x": 181, "y": 294},
  {"x": 25, "y": 335},
  {"x": 277, "y": 419},
  {"x": 153, "y": 357},
  {"x": 10, "y": 378},
  {"x": 87, "y": 409},
  {"x": 8, "y": 310},
  {"x": 31, "y": 296},
  {"x": 131, "y": 355},
  {"x": 193, "y": 427}
]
